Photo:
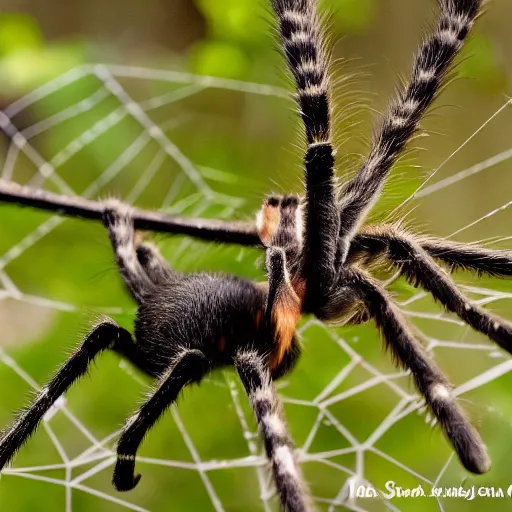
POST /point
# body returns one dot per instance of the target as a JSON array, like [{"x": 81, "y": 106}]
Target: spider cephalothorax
[{"x": 318, "y": 256}]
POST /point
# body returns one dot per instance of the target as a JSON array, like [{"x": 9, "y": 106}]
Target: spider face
[{"x": 318, "y": 254}]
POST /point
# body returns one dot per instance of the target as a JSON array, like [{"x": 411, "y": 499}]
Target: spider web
[{"x": 354, "y": 417}]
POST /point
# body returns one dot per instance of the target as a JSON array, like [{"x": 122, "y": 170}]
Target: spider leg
[
  {"x": 106, "y": 335},
  {"x": 432, "y": 62},
  {"x": 282, "y": 313},
  {"x": 256, "y": 379},
  {"x": 154, "y": 265},
  {"x": 189, "y": 366},
  {"x": 280, "y": 229},
  {"x": 304, "y": 48},
  {"x": 279, "y": 223},
  {"x": 420, "y": 269},
  {"x": 119, "y": 222},
  {"x": 494, "y": 262},
  {"x": 429, "y": 380},
  {"x": 372, "y": 241}
]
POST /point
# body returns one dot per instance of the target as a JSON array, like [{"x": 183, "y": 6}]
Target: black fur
[
  {"x": 104, "y": 336},
  {"x": 430, "y": 381}
]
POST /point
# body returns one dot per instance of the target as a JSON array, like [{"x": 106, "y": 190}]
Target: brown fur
[
  {"x": 270, "y": 219},
  {"x": 285, "y": 317}
]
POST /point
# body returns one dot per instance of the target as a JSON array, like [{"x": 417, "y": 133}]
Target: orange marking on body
[
  {"x": 268, "y": 222},
  {"x": 286, "y": 315},
  {"x": 299, "y": 286},
  {"x": 222, "y": 344}
]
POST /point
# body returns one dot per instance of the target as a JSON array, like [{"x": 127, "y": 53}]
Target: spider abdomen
[{"x": 216, "y": 314}]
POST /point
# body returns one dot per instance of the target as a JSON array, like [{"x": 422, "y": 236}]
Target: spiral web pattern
[{"x": 355, "y": 418}]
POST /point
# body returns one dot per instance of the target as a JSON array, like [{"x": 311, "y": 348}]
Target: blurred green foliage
[{"x": 26, "y": 60}]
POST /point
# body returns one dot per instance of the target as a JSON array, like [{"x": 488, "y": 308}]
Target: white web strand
[{"x": 80, "y": 469}]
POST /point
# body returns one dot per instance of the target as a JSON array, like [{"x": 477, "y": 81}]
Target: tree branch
[{"x": 232, "y": 232}]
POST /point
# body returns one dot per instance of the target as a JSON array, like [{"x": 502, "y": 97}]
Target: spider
[{"x": 318, "y": 252}]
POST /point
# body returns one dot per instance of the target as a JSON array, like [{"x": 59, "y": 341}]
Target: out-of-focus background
[{"x": 182, "y": 105}]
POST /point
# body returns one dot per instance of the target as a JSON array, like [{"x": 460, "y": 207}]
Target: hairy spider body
[
  {"x": 231, "y": 307},
  {"x": 194, "y": 323},
  {"x": 224, "y": 313},
  {"x": 318, "y": 258}
]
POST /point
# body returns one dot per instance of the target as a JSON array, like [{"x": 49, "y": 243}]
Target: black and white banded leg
[
  {"x": 304, "y": 48},
  {"x": 429, "y": 380},
  {"x": 106, "y": 335},
  {"x": 154, "y": 265},
  {"x": 189, "y": 366},
  {"x": 420, "y": 269},
  {"x": 372, "y": 241},
  {"x": 432, "y": 62},
  {"x": 493, "y": 262},
  {"x": 255, "y": 376},
  {"x": 119, "y": 222}
]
